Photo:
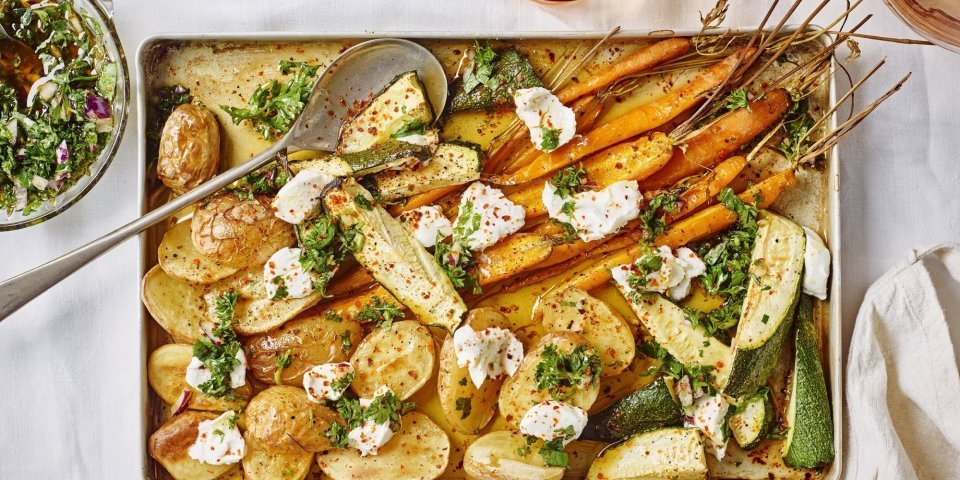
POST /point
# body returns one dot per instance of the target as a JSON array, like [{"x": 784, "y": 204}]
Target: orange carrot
[
  {"x": 630, "y": 124},
  {"x": 643, "y": 59},
  {"x": 720, "y": 140},
  {"x": 588, "y": 110}
]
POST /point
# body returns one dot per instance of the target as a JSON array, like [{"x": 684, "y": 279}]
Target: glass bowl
[
  {"x": 935, "y": 20},
  {"x": 65, "y": 200}
]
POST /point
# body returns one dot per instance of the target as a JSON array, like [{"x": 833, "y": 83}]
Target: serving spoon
[{"x": 354, "y": 76}]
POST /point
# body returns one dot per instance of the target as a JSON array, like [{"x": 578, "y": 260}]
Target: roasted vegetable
[
  {"x": 170, "y": 443},
  {"x": 400, "y": 104},
  {"x": 237, "y": 232},
  {"x": 674, "y": 453},
  {"x": 497, "y": 76},
  {"x": 189, "y": 148},
  {"x": 452, "y": 164},
  {"x": 649, "y": 408},
  {"x": 400, "y": 356}
]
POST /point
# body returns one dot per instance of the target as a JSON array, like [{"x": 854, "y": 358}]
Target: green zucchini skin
[
  {"x": 511, "y": 70},
  {"x": 739, "y": 421},
  {"x": 752, "y": 368},
  {"x": 649, "y": 408},
  {"x": 454, "y": 163},
  {"x": 809, "y": 441},
  {"x": 384, "y": 155}
]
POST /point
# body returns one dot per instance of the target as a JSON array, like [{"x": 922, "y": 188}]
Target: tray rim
[{"x": 834, "y": 342}]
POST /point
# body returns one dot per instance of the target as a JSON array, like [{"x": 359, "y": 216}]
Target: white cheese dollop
[
  {"x": 426, "y": 223},
  {"x": 429, "y": 138},
  {"x": 674, "y": 276},
  {"x": 549, "y": 420},
  {"x": 369, "y": 437},
  {"x": 599, "y": 213},
  {"x": 494, "y": 215},
  {"x": 709, "y": 414},
  {"x": 198, "y": 373},
  {"x": 816, "y": 266},
  {"x": 489, "y": 353},
  {"x": 301, "y": 196},
  {"x": 218, "y": 442},
  {"x": 284, "y": 269},
  {"x": 540, "y": 109},
  {"x": 319, "y": 380}
]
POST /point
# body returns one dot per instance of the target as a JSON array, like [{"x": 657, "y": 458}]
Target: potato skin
[
  {"x": 281, "y": 419},
  {"x": 170, "y": 443},
  {"x": 239, "y": 232},
  {"x": 189, "y": 148},
  {"x": 402, "y": 358}
]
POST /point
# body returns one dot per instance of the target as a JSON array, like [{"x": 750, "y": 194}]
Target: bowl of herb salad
[{"x": 61, "y": 120}]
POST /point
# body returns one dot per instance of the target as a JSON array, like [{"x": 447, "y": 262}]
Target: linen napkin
[{"x": 903, "y": 389}]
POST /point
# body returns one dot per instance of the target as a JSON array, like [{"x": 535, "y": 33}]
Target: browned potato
[
  {"x": 177, "y": 306},
  {"x": 166, "y": 372},
  {"x": 189, "y": 148},
  {"x": 281, "y": 419},
  {"x": 239, "y": 233},
  {"x": 310, "y": 341},
  {"x": 262, "y": 463},
  {"x": 419, "y": 451},
  {"x": 573, "y": 310},
  {"x": 519, "y": 392},
  {"x": 454, "y": 384},
  {"x": 402, "y": 358},
  {"x": 181, "y": 260},
  {"x": 170, "y": 443},
  {"x": 495, "y": 456}
]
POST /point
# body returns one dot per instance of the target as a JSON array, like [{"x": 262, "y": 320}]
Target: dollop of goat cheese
[
  {"x": 427, "y": 224},
  {"x": 674, "y": 276},
  {"x": 489, "y": 353},
  {"x": 321, "y": 381},
  {"x": 816, "y": 266},
  {"x": 284, "y": 270},
  {"x": 552, "y": 419},
  {"x": 198, "y": 373},
  {"x": 219, "y": 441},
  {"x": 551, "y": 123},
  {"x": 596, "y": 213},
  {"x": 300, "y": 197},
  {"x": 486, "y": 216}
]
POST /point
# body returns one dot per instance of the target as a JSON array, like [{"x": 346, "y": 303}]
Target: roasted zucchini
[
  {"x": 452, "y": 164},
  {"x": 511, "y": 72}
]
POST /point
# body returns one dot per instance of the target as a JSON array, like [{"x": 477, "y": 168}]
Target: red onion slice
[
  {"x": 63, "y": 153},
  {"x": 181, "y": 404},
  {"x": 96, "y": 108}
]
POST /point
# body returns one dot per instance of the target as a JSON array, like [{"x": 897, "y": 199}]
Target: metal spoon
[{"x": 355, "y": 75}]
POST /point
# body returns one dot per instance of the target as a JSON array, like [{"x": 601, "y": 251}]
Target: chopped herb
[
  {"x": 324, "y": 245},
  {"x": 219, "y": 433},
  {"x": 352, "y": 238},
  {"x": 380, "y": 313},
  {"x": 765, "y": 319},
  {"x": 463, "y": 381},
  {"x": 332, "y": 316},
  {"x": 220, "y": 358},
  {"x": 458, "y": 263},
  {"x": 568, "y": 181},
  {"x": 388, "y": 408},
  {"x": 525, "y": 450},
  {"x": 281, "y": 288},
  {"x": 274, "y": 106},
  {"x": 411, "y": 127},
  {"x": 737, "y": 99},
  {"x": 350, "y": 411},
  {"x": 232, "y": 421},
  {"x": 654, "y": 217},
  {"x": 553, "y": 453},
  {"x": 563, "y": 374},
  {"x": 650, "y": 261},
  {"x": 337, "y": 435},
  {"x": 362, "y": 201},
  {"x": 266, "y": 181},
  {"x": 796, "y": 128},
  {"x": 550, "y": 139},
  {"x": 339, "y": 385},
  {"x": 480, "y": 70},
  {"x": 345, "y": 342},
  {"x": 569, "y": 231},
  {"x": 463, "y": 405},
  {"x": 701, "y": 376},
  {"x": 283, "y": 361}
]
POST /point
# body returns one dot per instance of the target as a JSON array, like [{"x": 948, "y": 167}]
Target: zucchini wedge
[
  {"x": 650, "y": 408},
  {"x": 387, "y": 154},
  {"x": 395, "y": 259},
  {"x": 511, "y": 72},
  {"x": 809, "y": 441},
  {"x": 688, "y": 344},
  {"x": 403, "y": 101},
  {"x": 776, "y": 268},
  {"x": 674, "y": 453},
  {"x": 751, "y": 422},
  {"x": 452, "y": 164}
]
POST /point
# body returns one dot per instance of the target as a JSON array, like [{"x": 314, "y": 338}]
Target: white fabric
[
  {"x": 71, "y": 362},
  {"x": 902, "y": 385}
]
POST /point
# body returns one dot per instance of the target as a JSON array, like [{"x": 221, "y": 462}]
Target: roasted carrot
[
  {"x": 588, "y": 110},
  {"x": 425, "y": 198},
  {"x": 721, "y": 139},
  {"x": 706, "y": 189},
  {"x": 516, "y": 253},
  {"x": 695, "y": 227},
  {"x": 630, "y": 124},
  {"x": 643, "y": 59}
]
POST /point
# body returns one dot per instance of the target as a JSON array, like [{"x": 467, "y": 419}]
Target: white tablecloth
[{"x": 70, "y": 362}]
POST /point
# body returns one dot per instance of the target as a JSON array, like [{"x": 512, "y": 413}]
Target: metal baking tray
[{"x": 826, "y": 210}]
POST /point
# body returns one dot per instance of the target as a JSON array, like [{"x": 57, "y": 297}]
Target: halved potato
[
  {"x": 310, "y": 341},
  {"x": 177, "y": 306},
  {"x": 281, "y": 419},
  {"x": 401, "y": 358},
  {"x": 258, "y": 315},
  {"x": 166, "y": 372},
  {"x": 180, "y": 259},
  {"x": 170, "y": 443},
  {"x": 263, "y": 464},
  {"x": 574, "y": 310},
  {"x": 419, "y": 451},
  {"x": 495, "y": 456},
  {"x": 238, "y": 232},
  {"x": 519, "y": 392},
  {"x": 454, "y": 384}
]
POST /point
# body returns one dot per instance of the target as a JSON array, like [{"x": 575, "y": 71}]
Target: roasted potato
[
  {"x": 495, "y": 456},
  {"x": 573, "y": 310},
  {"x": 281, "y": 419},
  {"x": 189, "y": 148},
  {"x": 419, "y": 451},
  {"x": 402, "y": 358},
  {"x": 519, "y": 392},
  {"x": 310, "y": 341},
  {"x": 166, "y": 373},
  {"x": 180, "y": 259},
  {"x": 170, "y": 443},
  {"x": 178, "y": 307},
  {"x": 262, "y": 463},
  {"x": 454, "y": 383},
  {"x": 239, "y": 233}
]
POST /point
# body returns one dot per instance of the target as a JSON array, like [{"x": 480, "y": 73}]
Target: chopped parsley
[
  {"x": 563, "y": 374},
  {"x": 324, "y": 245},
  {"x": 701, "y": 376},
  {"x": 345, "y": 342},
  {"x": 568, "y": 181},
  {"x": 480, "y": 70},
  {"x": 737, "y": 99},
  {"x": 463, "y": 406},
  {"x": 337, "y": 435},
  {"x": 283, "y": 361},
  {"x": 455, "y": 259},
  {"x": 388, "y": 408},
  {"x": 411, "y": 127},
  {"x": 553, "y": 453},
  {"x": 332, "y": 316},
  {"x": 281, "y": 288},
  {"x": 339, "y": 385},
  {"x": 220, "y": 358},
  {"x": 274, "y": 106},
  {"x": 266, "y": 181},
  {"x": 362, "y": 202},
  {"x": 650, "y": 261},
  {"x": 796, "y": 128},
  {"x": 569, "y": 231},
  {"x": 550, "y": 139},
  {"x": 381, "y": 313},
  {"x": 654, "y": 217}
]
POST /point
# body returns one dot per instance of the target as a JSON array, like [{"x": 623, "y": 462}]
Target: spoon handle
[{"x": 18, "y": 291}]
